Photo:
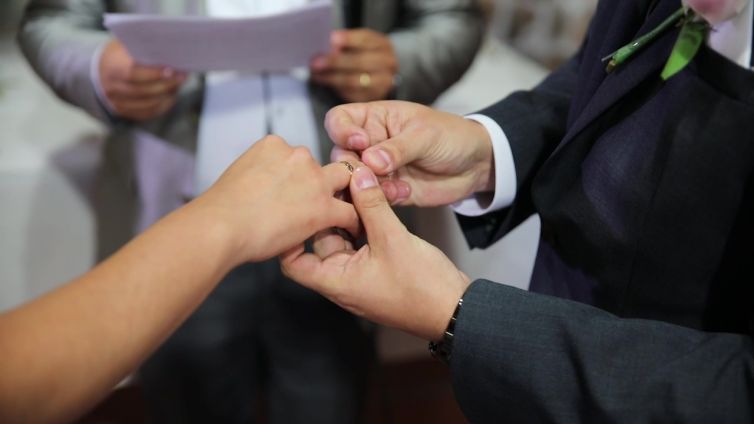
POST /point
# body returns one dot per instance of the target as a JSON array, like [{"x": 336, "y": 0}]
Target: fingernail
[
  {"x": 168, "y": 73},
  {"x": 364, "y": 178},
  {"x": 389, "y": 190},
  {"x": 377, "y": 159},
  {"x": 336, "y": 154},
  {"x": 404, "y": 190},
  {"x": 357, "y": 141}
]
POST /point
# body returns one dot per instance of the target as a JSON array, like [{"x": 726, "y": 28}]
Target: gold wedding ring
[
  {"x": 349, "y": 167},
  {"x": 365, "y": 80}
]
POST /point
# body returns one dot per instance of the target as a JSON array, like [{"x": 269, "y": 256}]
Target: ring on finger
[
  {"x": 365, "y": 80},
  {"x": 348, "y": 165}
]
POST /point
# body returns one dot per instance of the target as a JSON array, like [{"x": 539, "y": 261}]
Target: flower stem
[{"x": 621, "y": 55}]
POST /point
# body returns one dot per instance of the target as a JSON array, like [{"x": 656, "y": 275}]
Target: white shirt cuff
[
  {"x": 505, "y": 174},
  {"x": 97, "y": 83}
]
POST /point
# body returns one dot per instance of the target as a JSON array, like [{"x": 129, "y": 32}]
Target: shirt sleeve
[
  {"x": 97, "y": 83},
  {"x": 505, "y": 174}
]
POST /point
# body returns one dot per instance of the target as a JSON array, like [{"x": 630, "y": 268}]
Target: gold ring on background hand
[
  {"x": 348, "y": 165},
  {"x": 365, "y": 80}
]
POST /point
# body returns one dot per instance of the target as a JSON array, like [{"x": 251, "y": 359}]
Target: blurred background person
[
  {"x": 548, "y": 31},
  {"x": 311, "y": 357}
]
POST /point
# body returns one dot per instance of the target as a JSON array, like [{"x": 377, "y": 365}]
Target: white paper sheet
[{"x": 193, "y": 43}]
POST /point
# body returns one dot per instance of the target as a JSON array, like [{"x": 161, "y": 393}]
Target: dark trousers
[{"x": 260, "y": 336}]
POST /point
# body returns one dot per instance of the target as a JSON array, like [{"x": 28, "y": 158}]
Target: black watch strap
[{"x": 443, "y": 349}]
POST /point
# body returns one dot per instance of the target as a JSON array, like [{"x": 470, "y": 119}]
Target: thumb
[
  {"x": 344, "y": 125},
  {"x": 402, "y": 149},
  {"x": 380, "y": 222}
]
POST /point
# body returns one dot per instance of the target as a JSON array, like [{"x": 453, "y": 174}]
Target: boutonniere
[{"x": 695, "y": 18}]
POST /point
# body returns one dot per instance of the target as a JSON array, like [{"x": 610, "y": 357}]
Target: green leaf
[{"x": 689, "y": 40}]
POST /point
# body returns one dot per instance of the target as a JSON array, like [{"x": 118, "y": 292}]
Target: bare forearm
[
  {"x": 61, "y": 353},
  {"x": 64, "y": 351}
]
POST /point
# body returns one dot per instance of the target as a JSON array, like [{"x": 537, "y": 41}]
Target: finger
[
  {"x": 172, "y": 74},
  {"x": 299, "y": 265},
  {"x": 143, "y": 73},
  {"x": 136, "y": 105},
  {"x": 360, "y": 61},
  {"x": 166, "y": 105},
  {"x": 397, "y": 192},
  {"x": 359, "y": 38},
  {"x": 337, "y": 154},
  {"x": 380, "y": 222},
  {"x": 343, "y": 215},
  {"x": 129, "y": 90},
  {"x": 350, "y": 81},
  {"x": 144, "y": 108},
  {"x": 338, "y": 175},
  {"x": 402, "y": 149},
  {"x": 304, "y": 268},
  {"x": 345, "y": 126},
  {"x": 328, "y": 242}
]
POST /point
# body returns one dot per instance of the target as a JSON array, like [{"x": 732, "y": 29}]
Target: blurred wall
[
  {"x": 49, "y": 153},
  {"x": 548, "y": 31},
  {"x": 10, "y": 13}
]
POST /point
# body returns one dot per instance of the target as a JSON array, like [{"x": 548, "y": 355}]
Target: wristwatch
[{"x": 443, "y": 349}]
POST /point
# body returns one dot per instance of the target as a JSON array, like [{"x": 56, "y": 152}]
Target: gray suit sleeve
[
  {"x": 435, "y": 44},
  {"x": 59, "y": 39},
  {"x": 524, "y": 357}
]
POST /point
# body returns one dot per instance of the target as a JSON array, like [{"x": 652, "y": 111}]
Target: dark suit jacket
[{"x": 644, "y": 191}]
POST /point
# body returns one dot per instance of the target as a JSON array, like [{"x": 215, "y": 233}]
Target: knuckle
[
  {"x": 302, "y": 155},
  {"x": 110, "y": 92},
  {"x": 301, "y": 152},
  {"x": 270, "y": 141},
  {"x": 393, "y": 149},
  {"x": 360, "y": 61}
]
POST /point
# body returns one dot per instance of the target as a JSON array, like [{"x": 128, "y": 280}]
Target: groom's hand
[
  {"x": 425, "y": 157},
  {"x": 396, "y": 279}
]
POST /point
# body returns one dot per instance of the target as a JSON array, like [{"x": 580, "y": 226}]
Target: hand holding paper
[
  {"x": 134, "y": 91},
  {"x": 361, "y": 65}
]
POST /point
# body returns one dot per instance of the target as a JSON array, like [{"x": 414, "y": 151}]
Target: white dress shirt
[{"x": 732, "y": 39}]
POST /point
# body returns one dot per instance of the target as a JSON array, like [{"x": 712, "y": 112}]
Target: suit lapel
[{"x": 645, "y": 64}]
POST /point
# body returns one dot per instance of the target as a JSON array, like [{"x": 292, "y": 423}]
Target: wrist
[
  {"x": 442, "y": 347},
  {"x": 447, "y": 308},
  {"x": 218, "y": 235}
]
